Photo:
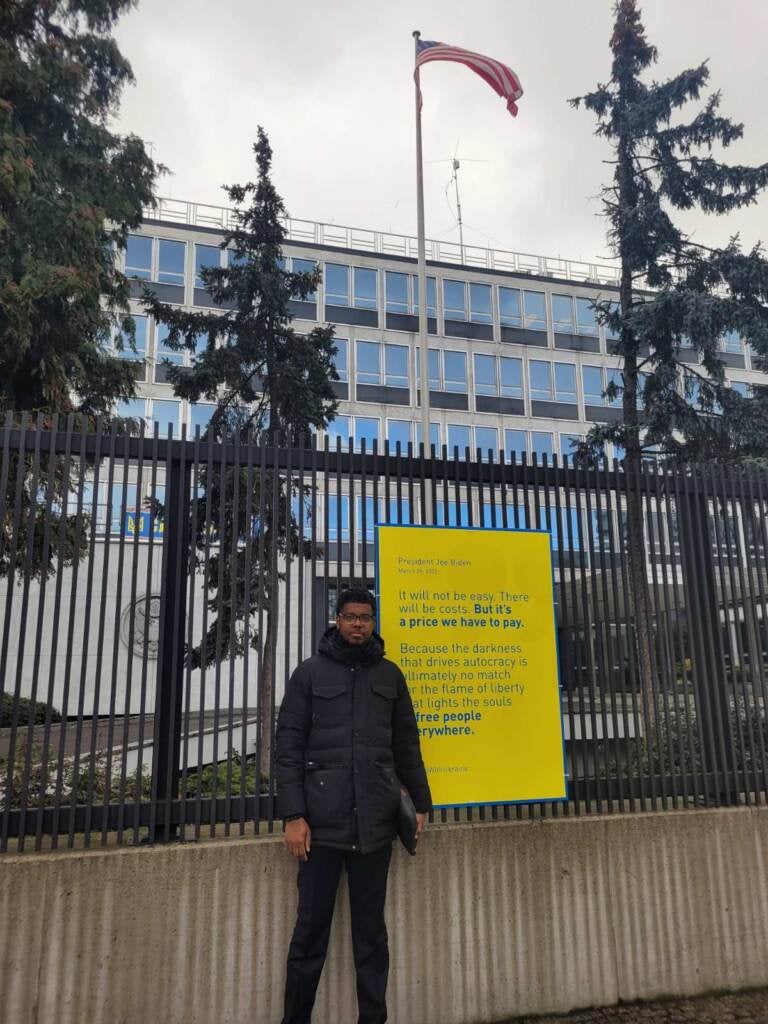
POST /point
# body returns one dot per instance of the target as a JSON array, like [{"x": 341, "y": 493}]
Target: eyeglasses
[{"x": 365, "y": 618}]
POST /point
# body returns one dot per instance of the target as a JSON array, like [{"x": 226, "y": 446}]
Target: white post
[{"x": 422, "y": 279}]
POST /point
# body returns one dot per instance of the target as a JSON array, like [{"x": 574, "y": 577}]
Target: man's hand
[
  {"x": 421, "y": 821},
  {"x": 297, "y": 838}
]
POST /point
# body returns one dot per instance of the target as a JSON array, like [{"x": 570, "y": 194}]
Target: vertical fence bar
[
  {"x": 760, "y": 696},
  {"x": 670, "y": 567},
  {"x": 86, "y": 636},
  {"x": 76, "y": 547},
  {"x": 274, "y": 608},
  {"x": 57, "y": 603},
  {"x": 722, "y": 497},
  {"x": 166, "y": 748},
  {"x": 186, "y": 727},
  {"x": 105, "y": 578},
  {"x": 138, "y": 799},
  {"x": 26, "y": 569},
  {"x": 758, "y": 602},
  {"x": 234, "y": 604},
  {"x": 262, "y": 697},
  {"x": 698, "y": 556},
  {"x": 685, "y": 499},
  {"x": 126, "y": 727},
  {"x": 248, "y": 522},
  {"x": 738, "y": 570}
]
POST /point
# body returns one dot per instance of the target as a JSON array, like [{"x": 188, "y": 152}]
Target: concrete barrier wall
[{"x": 489, "y": 921}]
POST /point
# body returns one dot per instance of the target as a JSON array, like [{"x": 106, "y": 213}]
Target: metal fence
[{"x": 158, "y": 593}]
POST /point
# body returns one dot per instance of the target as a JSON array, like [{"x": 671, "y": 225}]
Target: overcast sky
[{"x": 331, "y": 81}]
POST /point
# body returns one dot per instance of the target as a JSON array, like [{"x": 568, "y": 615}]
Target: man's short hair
[{"x": 355, "y": 595}]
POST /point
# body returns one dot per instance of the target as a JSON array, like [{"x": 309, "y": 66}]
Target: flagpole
[{"x": 422, "y": 276}]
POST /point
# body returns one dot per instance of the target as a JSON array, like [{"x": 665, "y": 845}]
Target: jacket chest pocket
[
  {"x": 330, "y": 703},
  {"x": 382, "y": 703}
]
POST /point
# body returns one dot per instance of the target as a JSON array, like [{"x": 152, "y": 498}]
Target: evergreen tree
[
  {"x": 673, "y": 292},
  {"x": 269, "y": 383},
  {"x": 69, "y": 192}
]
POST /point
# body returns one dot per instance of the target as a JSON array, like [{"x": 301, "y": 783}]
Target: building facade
[{"x": 517, "y": 360}]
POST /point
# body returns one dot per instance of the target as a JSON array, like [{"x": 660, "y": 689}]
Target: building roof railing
[{"x": 386, "y": 243}]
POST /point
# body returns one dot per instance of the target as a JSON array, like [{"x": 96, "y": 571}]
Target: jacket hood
[{"x": 332, "y": 646}]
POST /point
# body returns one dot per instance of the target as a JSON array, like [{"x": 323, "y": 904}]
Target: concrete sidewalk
[{"x": 745, "y": 1007}]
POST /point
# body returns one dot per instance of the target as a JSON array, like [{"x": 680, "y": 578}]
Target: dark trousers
[{"x": 318, "y": 882}]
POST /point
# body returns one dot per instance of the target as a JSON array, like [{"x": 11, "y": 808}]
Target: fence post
[{"x": 166, "y": 749}]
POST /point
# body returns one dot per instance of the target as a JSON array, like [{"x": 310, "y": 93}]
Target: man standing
[{"x": 346, "y": 741}]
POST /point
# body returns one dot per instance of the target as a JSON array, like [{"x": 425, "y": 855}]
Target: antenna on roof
[{"x": 454, "y": 180}]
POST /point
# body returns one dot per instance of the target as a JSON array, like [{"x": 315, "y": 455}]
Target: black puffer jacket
[{"x": 345, "y": 733}]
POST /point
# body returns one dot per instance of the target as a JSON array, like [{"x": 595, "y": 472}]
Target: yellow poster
[{"x": 468, "y": 615}]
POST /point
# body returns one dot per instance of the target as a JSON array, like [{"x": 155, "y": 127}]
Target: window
[
  {"x": 337, "y": 277},
  {"x": 614, "y": 377},
  {"x": 338, "y": 430},
  {"x": 170, "y": 264},
  {"x": 454, "y": 300},
  {"x": 455, "y": 367},
  {"x": 205, "y": 256},
  {"x": 447, "y": 370},
  {"x": 365, "y": 288},
  {"x": 562, "y": 314},
  {"x": 586, "y": 322},
  {"x": 511, "y": 377},
  {"x": 138, "y": 257},
  {"x": 740, "y": 387},
  {"x": 336, "y": 284},
  {"x": 731, "y": 342},
  {"x": 515, "y": 442},
  {"x": 480, "y": 311},
  {"x": 565, "y": 382},
  {"x": 338, "y": 518},
  {"x": 592, "y": 382},
  {"x": 540, "y": 378},
  {"x": 398, "y": 432},
  {"x": 162, "y": 352},
  {"x": 485, "y": 375},
  {"x": 366, "y": 430},
  {"x": 541, "y": 444},
  {"x": 402, "y": 294},
  {"x": 611, "y": 333},
  {"x": 397, "y": 300},
  {"x": 131, "y": 409},
  {"x": 431, "y": 295},
  {"x": 535, "y": 311},
  {"x": 434, "y": 435},
  {"x": 510, "y": 309},
  {"x": 141, "y": 330},
  {"x": 299, "y": 266},
  {"x": 487, "y": 439},
  {"x": 458, "y": 437},
  {"x": 396, "y": 366},
  {"x": 339, "y": 359},
  {"x": 199, "y": 416},
  {"x": 434, "y": 369},
  {"x": 368, "y": 362},
  {"x": 568, "y": 444},
  {"x": 596, "y": 379},
  {"x": 165, "y": 413},
  {"x": 487, "y": 381}
]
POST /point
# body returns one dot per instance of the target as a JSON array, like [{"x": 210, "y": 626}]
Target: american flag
[{"x": 501, "y": 79}]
